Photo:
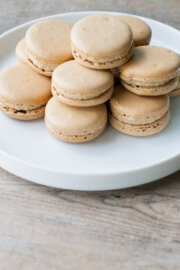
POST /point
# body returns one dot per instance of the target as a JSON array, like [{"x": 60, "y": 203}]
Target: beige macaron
[
  {"x": 152, "y": 71},
  {"x": 101, "y": 41},
  {"x": 76, "y": 85},
  {"x": 75, "y": 124},
  {"x": 140, "y": 30},
  {"x": 20, "y": 52},
  {"x": 138, "y": 115},
  {"x": 23, "y": 92},
  {"x": 48, "y": 45},
  {"x": 176, "y": 91}
]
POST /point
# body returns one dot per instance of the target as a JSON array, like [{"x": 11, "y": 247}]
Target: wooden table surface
[{"x": 47, "y": 228}]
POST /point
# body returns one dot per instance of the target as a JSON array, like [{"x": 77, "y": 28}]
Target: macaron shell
[
  {"x": 176, "y": 91},
  {"x": 50, "y": 40},
  {"x": 75, "y": 120},
  {"x": 141, "y": 130},
  {"x": 80, "y": 82},
  {"x": 102, "y": 98},
  {"x": 98, "y": 35},
  {"x": 20, "y": 52},
  {"x": 23, "y": 89},
  {"x": 151, "y": 64},
  {"x": 136, "y": 109},
  {"x": 140, "y": 30},
  {"x": 152, "y": 90}
]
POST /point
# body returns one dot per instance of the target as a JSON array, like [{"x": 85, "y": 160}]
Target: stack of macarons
[
  {"x": 67, "y": 73},
  {"x": 25, "y": 88},
  {"x": 77, "y": 111},
  {"x": 140, "y": 104}
]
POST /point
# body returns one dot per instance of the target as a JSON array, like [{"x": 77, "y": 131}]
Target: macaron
[
  {"x": 23, "y": 93},
  {"x": 176, "y": 91},
  {"x": 75, "y": 124},
  {"x": 138, "y": 115},
  {"x": 152, "y": 71},
  {"x": 48, "y": 45},
  {"x": 140, "y": 30},
  {"x": 101, "y": 41},
  {"x": 20, "y": 52},
  {"x": 76, "y": 85}
]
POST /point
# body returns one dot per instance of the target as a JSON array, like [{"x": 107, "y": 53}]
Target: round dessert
[
  {"x": 137, "y": 115},
  {"x": 152, "y": 71},
  {"x": 20, "y": 52},
  {"x": 101, "y": 41},
  {"x": 176, "y": 91},
  {"x": 75, "y": 124},
  {"x": 76, "y": 85},
  {"x": 23, "y": 93},
  {"x": 48, "y": 45},
  {"x": 140, "y": 30}
]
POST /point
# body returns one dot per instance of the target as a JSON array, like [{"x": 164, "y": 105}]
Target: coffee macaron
[
  {"x": 23, "y": 92},
  {"x": 76, "y": 85},
  {"x": 138, "y": 115},
  {"x": 20, "y": 52},
  {"x": 140, "y": 30},
  {"x": 176, "y": 91},
  {"x": 101, "y": 41},
  {"x": 75, "y": 124},
  {"x": 48, "y": 45},
  {"x": 152, "y": 71}
]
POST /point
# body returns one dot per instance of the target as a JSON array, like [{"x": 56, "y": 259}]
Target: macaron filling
[
  {"x": 74, "y": 133},
  {"x": 40, "y": 64},
  {"x": 92, "y": 61},
  {"x": 140, "y": 120},
  {"x": 74, "y": 138},
  {"x": 61, "y": 92},
  {"x": 20, "y": 109},
  {"x": 151, "y": 88},
  {"x": 141, "y": 129}
]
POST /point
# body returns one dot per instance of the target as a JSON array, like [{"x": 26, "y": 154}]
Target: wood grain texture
[{"x": 46, "y": 228}]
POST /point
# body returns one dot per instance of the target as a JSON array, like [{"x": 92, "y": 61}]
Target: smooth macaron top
[
  {"x": 22, "y": 87},
  {"x": 50, "y": 40},
  {"x": 140, "y": 30},
  {"x": 75, "y": 120},
  {"x": 75, "y": 79},
  {"x": 20, "y": 50},
  {"x": 151, "y": 63},
  {"x": 102, "y": 36},
  {"x": 138, "y": 108}
]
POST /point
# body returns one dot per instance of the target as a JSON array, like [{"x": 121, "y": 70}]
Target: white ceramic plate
[{"x": 111, "y": 161}]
